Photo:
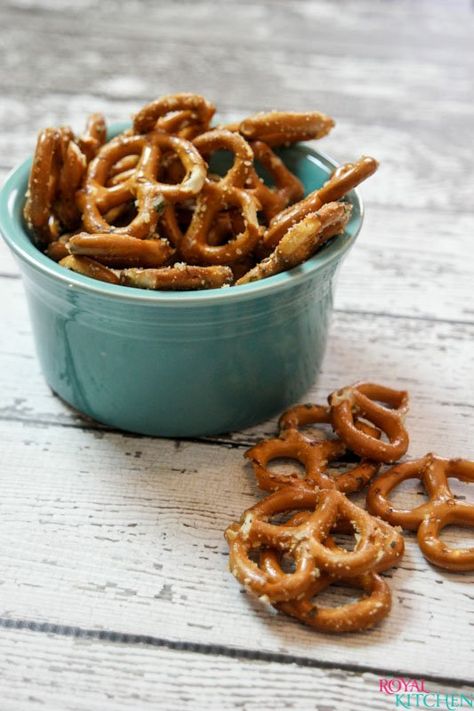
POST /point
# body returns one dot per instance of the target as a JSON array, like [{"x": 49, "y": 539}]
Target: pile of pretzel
[
  {"x": 284, "y": 551},
  {"x": 145, "y": 210}
]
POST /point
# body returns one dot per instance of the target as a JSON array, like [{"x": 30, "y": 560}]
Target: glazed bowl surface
[{"x": 180, "y": 364}]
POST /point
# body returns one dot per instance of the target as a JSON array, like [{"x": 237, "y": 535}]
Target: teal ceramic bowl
[{"x": 180, "y": 364}]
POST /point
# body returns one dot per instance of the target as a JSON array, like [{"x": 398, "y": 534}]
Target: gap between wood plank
[{"x": 210, "y": 649}]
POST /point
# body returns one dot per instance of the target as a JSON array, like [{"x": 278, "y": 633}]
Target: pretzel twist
[
  {"x": 194, "y": 245},
  {"x": 441, "y": 509},
  {"x": 200, "y": 111},
  {"x": 287, "y": 189},
  {"x": 352, "y": 617},
  {"x": 339, "y": 184},
  {"x": 220, "y": 139},
  {"x": 304, "y": 542},
  {"x": 359, "y": 400},
  {"x": 94, "y": 136}
]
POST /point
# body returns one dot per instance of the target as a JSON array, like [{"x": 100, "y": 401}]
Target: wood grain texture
[
  {"x": 79, "y": 674},
  {"x": 107, "y": 534},
  {"x": 126, "y": 534}
]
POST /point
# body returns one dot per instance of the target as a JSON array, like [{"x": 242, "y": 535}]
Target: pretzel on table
[
  {"x": 304, "y": 542},
  {"x": 441, "y": 509},
  {"x": 301, "y": 241},
  {"x": 363, "y": 614},
  {"x": 362, "y": 400}
]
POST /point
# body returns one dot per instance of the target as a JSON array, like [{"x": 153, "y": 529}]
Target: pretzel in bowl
[
  {"x": 301, "y": 241},
  {"x": 364, "y": 400},
  {"x": 156, "y": 180},
  {"x": 442, "y": 508},
  {"x": 341, "y": 182}
]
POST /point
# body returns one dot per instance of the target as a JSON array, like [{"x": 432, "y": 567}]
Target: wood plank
[
  {"x": 126, "y": 534},
  {"x": 433, "y": 360},
  {"x": 80, "y": 674}
]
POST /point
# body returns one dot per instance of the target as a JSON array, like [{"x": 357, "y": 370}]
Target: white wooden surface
[{"x": 114, "y": 592}]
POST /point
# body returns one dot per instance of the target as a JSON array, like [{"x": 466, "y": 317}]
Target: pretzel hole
[
  {"x": 336, "y": 595},
  {"x": 220, "y": 162},
  {"x": 457, "y": 536},
  {"x": 462, "y": 490},
  {"x": 344, "y": 535},
  {"x": 123, "y": 216},
  {"x": 286, "y": 466},
  {"x": 408, "y": 494},
  {"x": 284, "y": 517}
]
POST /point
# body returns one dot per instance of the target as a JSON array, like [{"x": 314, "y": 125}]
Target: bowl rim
[{"x": 14, "y": 234}]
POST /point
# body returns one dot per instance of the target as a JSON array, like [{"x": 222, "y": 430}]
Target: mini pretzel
[
  {"x": 305, "y": 542},
  {"x": 288, "y": 188},
  {"x": 352, "y": 617},
  {"x": 359, "y": 400},
  {"x": 277, "y": 128},
  {"x": 201, "y": 111},
  {"x": 442, "y": 508},
  {"x": 93, "y": 137},
  {"x": 181, "y": 277},
  {"x": 213, "y": 198},
  {"x": 121, "y": 250},
  {"x": 301, "y": 241},
  {"x": 340, "y": 183},
  {"x": 220, "y": 139},
  {"x": 193, "y": 164},
  {"x": 73, "y": 166},
  {"x": 89, "y": 267}
]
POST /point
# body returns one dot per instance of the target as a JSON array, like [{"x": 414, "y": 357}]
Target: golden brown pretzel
[
  {"x": 287, "y": 189},
  {"x": 42, "y": 187},
  {"x": 73, "y": 166},
  {"x": 301, "y": 241},
  {"x": 441, "y": 509},
  {"x": 120, "y": 250},
  {"x": 305, "y": 542},
  {"x": 340, "y": 183},
  {"x": 200, "y": 111},
  {"x": 97, "y": 199},
  {"x": 180, "y": 276},
  {"x": 89, "y": 267},
  {"x": 213, "y": 198},
  {"x": 351, "y": 617},
  {"x": 360, "y": 400},
  {"x": 94, "y": 136},
  {"x": 277, "y": 128},
  {"x": 220, "y": 139}
]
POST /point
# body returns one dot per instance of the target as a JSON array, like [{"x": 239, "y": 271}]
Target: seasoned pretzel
[
  {"x": 360, "y": 400},
  {"x": 42, "y": 186},
  {"x": 277, "y": 128},
  {"x": 120, "y": 250},
  {"x": 180, "y": 276},
  {"x": 201, "y": 111},
  {"x": 340, "y": 183},
  {"x": 220, "y": 139},
  {"x": 305, "y": 542},
  {"x": 73, "y": 166},
  {"x": 288, "y": 188},
  {"x": 301, "y": 241},
  {"x": 97, "y": 199},
  {"x": 94, "y": 136},
  {"x": 352, "y": 617},
  {"x": 193, "y": 164},
  {"x": 89, "y": 267},
  {"x": 213, "y": 198},
  {"x": 441, "y": 509}
]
